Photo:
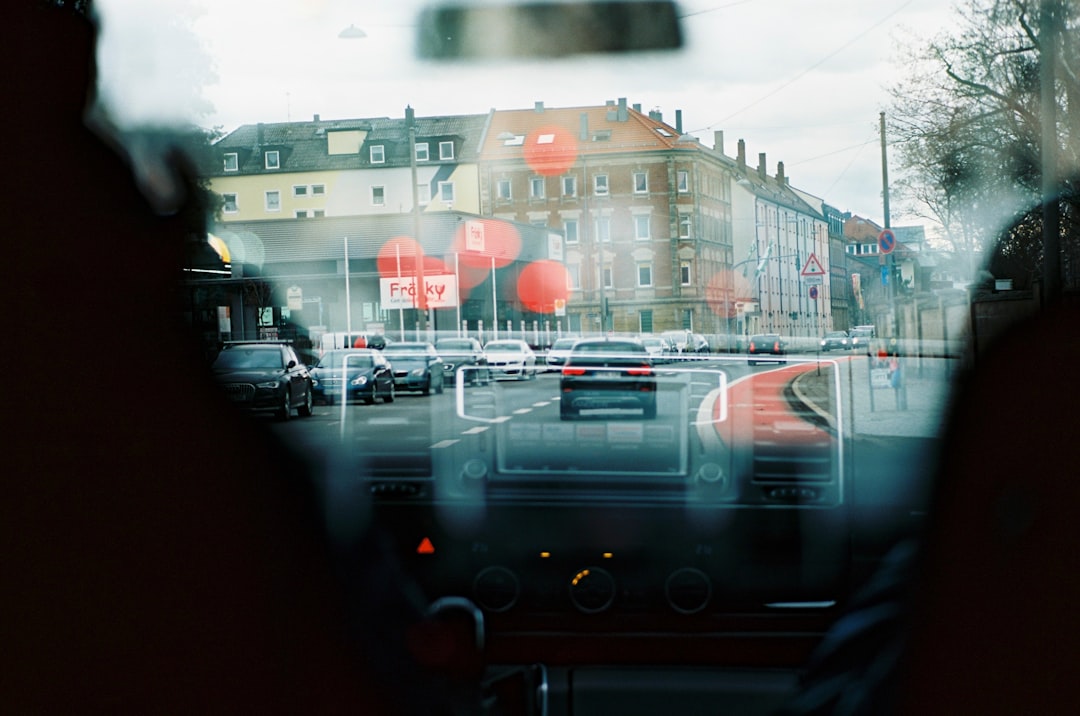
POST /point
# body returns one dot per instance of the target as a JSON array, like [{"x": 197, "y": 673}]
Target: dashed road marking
[
  {"x": 444, "y": 444},
  {"x": 475, "y": 431}
]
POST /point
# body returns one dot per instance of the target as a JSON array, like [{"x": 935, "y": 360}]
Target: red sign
[
  {"x": 813, "y": 267},
  {"x": 886, "y": 241}
]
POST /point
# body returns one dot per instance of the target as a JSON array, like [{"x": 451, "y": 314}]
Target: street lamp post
[{"x": 421, "y": 291}]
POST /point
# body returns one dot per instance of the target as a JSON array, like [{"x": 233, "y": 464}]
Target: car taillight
[
  {"x": 573, "y": 371},
  {"x": 639, "y": 371},
  {"x": 752, "y": 348},
  {"x": 776, "y": 346}
]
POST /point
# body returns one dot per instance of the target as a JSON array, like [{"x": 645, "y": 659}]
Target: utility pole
[
  {"x": 421, "y": 290},
  {"x": 888, "y": 260}
]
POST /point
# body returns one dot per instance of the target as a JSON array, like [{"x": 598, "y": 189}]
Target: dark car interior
[{"x": 183, "y": 560}]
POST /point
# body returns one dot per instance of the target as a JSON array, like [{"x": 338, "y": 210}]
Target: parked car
[
  {"x": 765, "y": 344},
  {"x": 340, "y": 340},
  {"x": 686, "y": 341},
  {"x": 467, "y": 352},
  {"x": 359, "y": 374},
  {"x": 510, "y": 357},
  {"x": 416, "y": 366},
  {"x": 607, "y": 374},
  {"x": 658, "y": 349},
  {"x": 265, "y": 376},
  {"x": 560, "y": 349},
  {"x": 835, "y": 341}
]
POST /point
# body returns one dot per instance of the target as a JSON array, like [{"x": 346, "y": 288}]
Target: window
[
  {"x": 423, "y": 194},
  {"x": 318, "y": 189},
  {"x": 446, "y": 191},
  {"x": 603, "y": 229},
  {"x": 536, "y": 188},
  {"x": 641, "y": 183},
  {"x": 644, "y": 274},
  {"x": 273, "y": 201},
  {"x": 502, "y": 190},
  {"x": 600, "y": 185},
  {"x": 685, "y": 223},
  {"x": 645, "y": 324},
  {"x": 378, "y": 196},
  {"x": 569, "y": 186},
  {"x": 378, "y": 154},
  {"x": 422, "y": 152},
  {"x": 573, "y": 276},
  {"x": 688, "y": 319},
  {"x": 273, "y": 159},
  {"x": 232, "y": 162},
  {"x": 683, "y": 181},
  {"x": 684, "y": 273},
  {"x": 570, "y": 230},
  {"x": 230, "y": 203},
  {"x": 300, "y": 190},
  {"x": 446, "y": 150},
  {"x": 608, "y": 283},
  {"x": 318, "y": 213},
  {"x": 301, "y": 213},
  {"x": 641, "y": 227}
]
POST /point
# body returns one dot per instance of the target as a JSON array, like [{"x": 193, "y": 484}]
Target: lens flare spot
[
  {"x": 541, "y": 284},
  {"x": 550, "y": 151},
  {"x": 477, "y": 241},
  {"x": 724, "y": 289}
]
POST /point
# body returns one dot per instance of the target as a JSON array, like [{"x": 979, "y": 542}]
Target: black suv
[{"x": 264, "y": 376}]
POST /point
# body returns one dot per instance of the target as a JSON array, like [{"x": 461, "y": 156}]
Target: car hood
[
  {"x": 248, "y": 375},
  {"x": 323, "y": 373}
]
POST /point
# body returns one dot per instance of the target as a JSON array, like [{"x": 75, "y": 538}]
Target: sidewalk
[{"x": 927, "y": 392}]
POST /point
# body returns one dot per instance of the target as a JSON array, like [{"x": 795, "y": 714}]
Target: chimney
[
  {"x": 258, "y": 135},
  {"x": 678, "y": 122},
  {"x": 637, "y": 107},
  {"x": 583, "y": 133},
  {"x": 761, "y": 165},
  {"x": 612, "y": 112},
  {"x": 623, "y": 114},
  {"x": 655, "y": 115},
  {"x": 780, "y": 178},
  {"x": 718, "y": 140},
  {"x": 742, "y": 154},
  {"x": 410, "y": 116},
  {"x": 316, "y": 118},
  {"x": 538, "y": 107}
]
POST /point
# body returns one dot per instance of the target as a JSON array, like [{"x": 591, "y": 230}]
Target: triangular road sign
[{"x": 812, "y": 267}]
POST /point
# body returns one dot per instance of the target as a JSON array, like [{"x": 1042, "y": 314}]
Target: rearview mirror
[{"x": 460, "y": 30}]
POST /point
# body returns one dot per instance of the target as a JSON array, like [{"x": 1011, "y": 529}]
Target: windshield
[
  {"x": 727, "y": 183},
  {"x": 334, "y": 360},
  {"x": 249, "y": 358}
]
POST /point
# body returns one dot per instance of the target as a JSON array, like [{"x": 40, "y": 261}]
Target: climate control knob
[
  {"x": 688, "y": 590},
  {"x": 592, "y": 590},
  {"x": 496, "y": 589}
]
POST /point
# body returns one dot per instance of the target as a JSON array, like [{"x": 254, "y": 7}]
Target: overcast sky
[{"x": 801, "y": 80}]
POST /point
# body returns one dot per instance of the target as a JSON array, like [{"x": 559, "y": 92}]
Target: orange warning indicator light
[
  {"x": 425, "y": 547},
  {"x": 545, "y": 555},
  {"x": 608, "y": 555}
]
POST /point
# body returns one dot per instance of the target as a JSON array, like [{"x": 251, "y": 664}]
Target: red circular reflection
[
  {"x": 542, "y": 283},
  {"x": 398, "y": 257},
  {"x": 550, "y": 151},
  {"x": 477, "y": 241},
  {"x": 724, "y": 290}
]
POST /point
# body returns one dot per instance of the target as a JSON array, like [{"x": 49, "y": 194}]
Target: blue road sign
[{"x": 886, "y": 241}]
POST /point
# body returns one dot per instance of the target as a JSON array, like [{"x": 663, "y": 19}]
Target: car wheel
[
  {"x": 285, "y": 411},
  {"x": 389, "y": 397},
  {"x": 566, "y": 411},
  {"x": 306, "y": 410},
  {"x": 370, "y": 399}
]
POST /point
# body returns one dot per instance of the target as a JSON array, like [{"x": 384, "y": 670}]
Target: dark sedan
[
  {"x": 835, "y": 341},
  {"x": 361, "y": 374},
  {"x": 416, "y": 366},
  {"x": 464, "y": 352},
  {"x": 264, "y": 376},
  {"x": 767, "y": 344},
  {"x": 607, "y": 375}
]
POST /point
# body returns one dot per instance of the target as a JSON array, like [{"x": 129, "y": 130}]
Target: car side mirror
[{"x": 290, "y": 365}]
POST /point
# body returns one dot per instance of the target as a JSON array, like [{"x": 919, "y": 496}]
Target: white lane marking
[
  {"x": 542, "y": 404},
  {"x": 476, "y": 431},
  {"x": 444, "y": 444},
  {"x": 522, "y": 411},
  {"x": 387, "y": 421},
  {"x": 500, "y": 419}
]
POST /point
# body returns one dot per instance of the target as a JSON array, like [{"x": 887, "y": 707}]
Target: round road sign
[
  {"x": 813, "y": 292},
  {"x": 886, "y": 241}
]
